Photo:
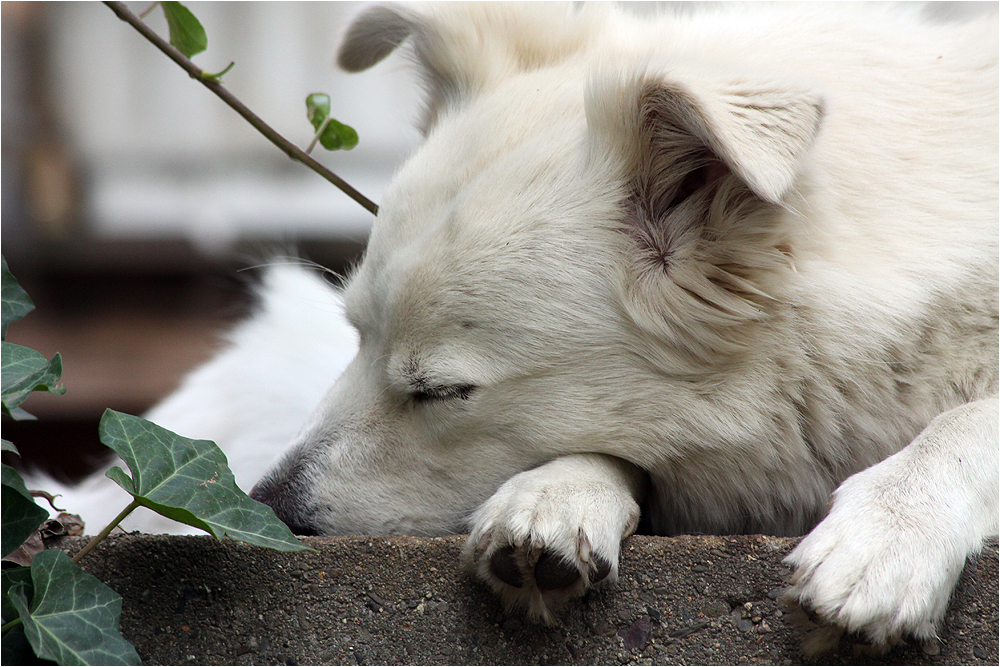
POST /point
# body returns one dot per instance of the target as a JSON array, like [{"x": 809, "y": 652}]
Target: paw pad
[
  {"x": 504, "y": 567},
  {"x": 553, "y": 573}
]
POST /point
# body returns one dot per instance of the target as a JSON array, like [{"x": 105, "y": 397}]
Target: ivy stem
[
  {"x": 97, "y": 539},
  {"x": 86, "y": 550},
  {"x": 290, "y": 149}
]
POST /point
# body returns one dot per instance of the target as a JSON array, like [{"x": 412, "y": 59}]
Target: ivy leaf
[
  {"x": 15, "y": 648},
  {"x": 10, "y": 577},
  {"x": 189, "y": 481},
  {"x": 8, "y": 446},
  {"x": 24, "y": 371},
  {"x": 332, "y": 134},
  {"x": 186, "y": 33},
  {"x": 16, "y": 303},
  {"x": 20, "y": 414},
  {"x": 73, "y": 618},
  {"x": 21, "y": 516}
]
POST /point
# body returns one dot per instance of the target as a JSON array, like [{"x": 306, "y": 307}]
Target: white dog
[{"x": 711, "y": 269}]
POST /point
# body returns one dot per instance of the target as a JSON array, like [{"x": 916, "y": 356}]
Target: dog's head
[{"x": 594, "y": 228}]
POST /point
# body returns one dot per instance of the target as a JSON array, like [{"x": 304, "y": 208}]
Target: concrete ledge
[{"x": 378, "y": 600}]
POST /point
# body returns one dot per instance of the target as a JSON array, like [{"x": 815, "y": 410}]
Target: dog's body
[{"x": 711, "y": 266}]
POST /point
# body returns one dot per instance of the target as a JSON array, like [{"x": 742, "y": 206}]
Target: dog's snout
[
  {"x": 280, "y": 498},
  {"x": 262, "y": 492}
]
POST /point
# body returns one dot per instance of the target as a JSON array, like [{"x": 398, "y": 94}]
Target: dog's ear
[
  {"x": 466, "y": 48},
  {"x": 759, "y": 131},
  {"x": 373, "y": 35},
  {"x": 708, "y": 170}
]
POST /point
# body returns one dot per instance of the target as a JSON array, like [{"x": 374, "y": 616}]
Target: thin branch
[{"x": 290, "y": 149}]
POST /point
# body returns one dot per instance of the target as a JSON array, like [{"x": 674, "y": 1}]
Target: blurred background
[{"x": 133, "y": 199}]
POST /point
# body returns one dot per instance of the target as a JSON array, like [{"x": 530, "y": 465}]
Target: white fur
[
  {"x": 577, "y": 507},
  {"x": 712, "y": 264},
  {"x": 887, "y": 556}
]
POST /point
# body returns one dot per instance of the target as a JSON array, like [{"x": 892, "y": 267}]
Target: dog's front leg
[
  {"x": 550, "y": 533},
  {"x": 885, "y": 559}
]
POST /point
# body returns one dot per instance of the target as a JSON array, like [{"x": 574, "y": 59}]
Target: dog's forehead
[
  {"x": 519, "y": 292},
  {"x": 497, "y": 197},
  {"x": 459, "y": 280},
  {"x": 486, "y": 150}
]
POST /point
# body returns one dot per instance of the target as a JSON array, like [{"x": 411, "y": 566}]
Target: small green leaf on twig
[
  {"x": 332, "y": 134},
  {"x": 317, "y": 109},
  {"x": 72, "y": 618},
  {"x": 16, "y": 303},
  {"x": 186, "y": 33},
  {"x": 189, "y": 481},
  {"x": 206, "y": 76}
]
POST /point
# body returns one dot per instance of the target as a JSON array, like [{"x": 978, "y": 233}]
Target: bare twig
[
  {"x": 49, "y": 497},
  {"x": 290, "y": 149}
]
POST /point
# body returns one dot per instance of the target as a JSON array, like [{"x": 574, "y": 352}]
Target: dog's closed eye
[{"x": 426, "y": 394}]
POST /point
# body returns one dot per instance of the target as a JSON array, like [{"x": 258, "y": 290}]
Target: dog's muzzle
[{"x": 284, "y": 500}]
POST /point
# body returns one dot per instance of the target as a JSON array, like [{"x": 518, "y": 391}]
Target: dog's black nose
[{"x": 277, "y": 496}]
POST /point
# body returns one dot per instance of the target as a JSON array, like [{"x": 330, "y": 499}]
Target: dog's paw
[
  {"x": 547, "y": 535},
  {"x": 877, "y": 565}
]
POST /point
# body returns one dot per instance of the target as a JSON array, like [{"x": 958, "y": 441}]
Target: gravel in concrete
[{"x": 404, "y": 600}]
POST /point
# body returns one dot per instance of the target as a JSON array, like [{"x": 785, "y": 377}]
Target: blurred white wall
[{"x": 163, "y": 157}]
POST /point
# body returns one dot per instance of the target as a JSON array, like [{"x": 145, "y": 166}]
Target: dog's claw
[{"x": 601, "y": 571}]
